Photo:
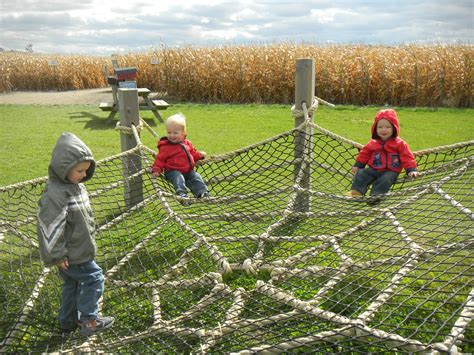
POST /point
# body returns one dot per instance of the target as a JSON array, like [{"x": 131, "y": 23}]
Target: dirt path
[{"x": 80, "y": 97}]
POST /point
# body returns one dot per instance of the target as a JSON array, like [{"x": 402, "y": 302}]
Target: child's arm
[
  {"x": 354, "y": 169},
  {"x": 158, "y": 165},
  {"x": 51, "y": 225},
  {"x": 195, "y": 153},
  {"x": 408, "y": 160},
  {"x": 362, "y": 158},
  {"x": 64, "y": 264},
  {"x": 156, "y": 173}
]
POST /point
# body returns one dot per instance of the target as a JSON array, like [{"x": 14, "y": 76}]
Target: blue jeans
[
  {"x": 381, "y": 181},
  {"x": 81, "y": 290},
  {"x": 192, "y": 180}
]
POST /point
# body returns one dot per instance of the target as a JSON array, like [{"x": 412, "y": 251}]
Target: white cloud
[
  {"x": 106, "y": 26},
  {"x": 329, "y": 15},
  {"x": 226, "y": 35},
  {"x": 244, "y": 14}
]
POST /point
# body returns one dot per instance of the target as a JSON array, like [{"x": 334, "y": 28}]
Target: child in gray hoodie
[{"x": 66, "y": 233}]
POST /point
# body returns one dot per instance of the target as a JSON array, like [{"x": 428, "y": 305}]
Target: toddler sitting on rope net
[
  {"x": 386, "y": 154},
  {"x": 177, "y": 157}
]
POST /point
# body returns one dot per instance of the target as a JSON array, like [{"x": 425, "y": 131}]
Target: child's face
[
  {"x": 78, "y": 172},
  {"x": 384, "y": 129},
  {"x": 175, "y": 133}
]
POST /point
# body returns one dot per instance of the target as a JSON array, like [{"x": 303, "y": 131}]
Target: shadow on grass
[{"x": 102, "y": 122}]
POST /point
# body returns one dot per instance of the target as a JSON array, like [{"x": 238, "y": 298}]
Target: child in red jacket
[
  {"x": 386, "y": 154},
  {"x": 177, "y": 157}
]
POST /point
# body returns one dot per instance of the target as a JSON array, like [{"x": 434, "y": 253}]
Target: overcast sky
[{"x": 103, "y": 27}]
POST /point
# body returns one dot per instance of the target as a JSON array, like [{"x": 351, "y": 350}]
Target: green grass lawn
[
  {"x": 29, "y": 133},
  {"x": 422, "y": 308}
]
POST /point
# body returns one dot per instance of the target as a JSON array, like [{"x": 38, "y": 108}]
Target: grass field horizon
[{"x": 30, "y": 132}]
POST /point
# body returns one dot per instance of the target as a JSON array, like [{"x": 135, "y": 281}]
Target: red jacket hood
[{"x": 391, "y": 116}]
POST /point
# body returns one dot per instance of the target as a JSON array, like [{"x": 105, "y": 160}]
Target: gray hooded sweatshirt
[{"x": 65, "y": 222}]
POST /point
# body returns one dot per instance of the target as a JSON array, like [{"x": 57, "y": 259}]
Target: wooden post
[
  {"x": 114, "y": 95},
  {"x": 132, "y": 164},
  {"x": 304, "y": 92},
  {"x": 114, "y": 86}
]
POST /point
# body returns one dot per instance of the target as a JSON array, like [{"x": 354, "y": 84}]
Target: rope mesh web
[{"x": 273, "y": 261}]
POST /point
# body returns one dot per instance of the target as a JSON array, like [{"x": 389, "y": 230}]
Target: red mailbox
[{"x": 126, "y": 74}]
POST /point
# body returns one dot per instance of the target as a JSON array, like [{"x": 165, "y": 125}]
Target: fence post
[
  {"x": 304, "y": 92},
  {"x": 132, "y": 164}
]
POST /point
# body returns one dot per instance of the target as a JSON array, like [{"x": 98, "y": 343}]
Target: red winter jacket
[
  {"x": 393, "y": 154},
  {"x": 180, "y": 156}
]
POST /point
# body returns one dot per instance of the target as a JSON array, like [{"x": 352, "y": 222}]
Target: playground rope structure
[{"x": 276, "y": 260}]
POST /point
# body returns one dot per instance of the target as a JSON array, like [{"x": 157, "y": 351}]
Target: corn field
[{"x": 436, "y": 75}]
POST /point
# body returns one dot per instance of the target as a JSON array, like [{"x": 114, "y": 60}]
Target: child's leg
[
  {"x": 362, "y": 179},
  {"x": 384, "y": 181},
  {"x": 195, "y": 183},
  {"x": 68, "y": 310},
  {"x": 91, "y": 286},
  {"x": 177, "y": 179}
]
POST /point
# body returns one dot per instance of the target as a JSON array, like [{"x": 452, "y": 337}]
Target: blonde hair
[{"x": 177, "y": 119}]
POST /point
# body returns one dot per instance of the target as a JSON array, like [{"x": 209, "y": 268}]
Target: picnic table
[{"x": 144, "y": 103}]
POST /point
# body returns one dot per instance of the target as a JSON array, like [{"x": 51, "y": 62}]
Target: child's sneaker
[
  {"x": 69, "y": 328},
  {"x": 96, "y": 325},
  {"x": 374, "y": 200},
  {"x": 353, "y": 193},
  {"x": 204, "y": 195}
]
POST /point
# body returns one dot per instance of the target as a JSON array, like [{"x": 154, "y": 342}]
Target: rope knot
[
  {"x": 227, "y": 268},
  {"x": 248, "y": 267},
  {"x": 300, "y": 113},
  {"x": 128, "y": 130}
]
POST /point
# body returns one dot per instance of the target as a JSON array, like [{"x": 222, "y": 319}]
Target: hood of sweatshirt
[
  {"x": 68, "y": 152},
  {"x": 391, "y": 116}
]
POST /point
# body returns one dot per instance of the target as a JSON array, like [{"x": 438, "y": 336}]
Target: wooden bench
[
  {"x": 160, "y": 104},
  {"x": 106, "y": 106},
  {"x": 147, "y": 104}
]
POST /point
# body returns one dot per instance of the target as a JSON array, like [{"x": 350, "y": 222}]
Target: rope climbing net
[{"x": 277, "y": 259}]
